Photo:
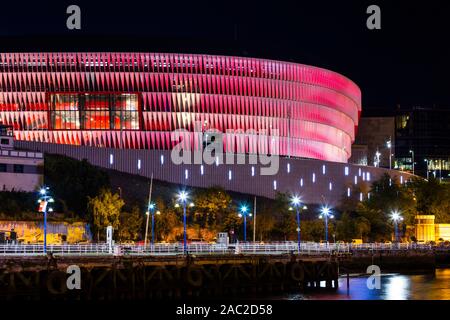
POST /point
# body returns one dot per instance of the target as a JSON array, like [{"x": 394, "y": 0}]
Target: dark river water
[{"x": 394, "y": 286}]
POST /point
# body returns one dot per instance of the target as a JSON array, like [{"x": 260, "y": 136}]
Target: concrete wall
[{"x": 294, "y": 175}]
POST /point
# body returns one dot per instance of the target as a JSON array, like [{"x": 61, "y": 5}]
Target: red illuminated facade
[{"x": 136, "y": 100}]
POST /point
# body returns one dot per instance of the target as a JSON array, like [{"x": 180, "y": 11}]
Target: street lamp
[
  {"x": 428, "y": 173},
  {"x": 389, "y": 145},
  {"x": 151, "y": 210},
  {"x": 244, "y": 212},
  {"x": 396, "y": 217},
  {"x": 377, "y": 158},
  {"x": 412, "y": 153},
  {"x": 326, "y": 214},
  {"x": 297, "y": 203},
  {"x": 182, "y": 198},
  {"x": 43, "y": 201}
]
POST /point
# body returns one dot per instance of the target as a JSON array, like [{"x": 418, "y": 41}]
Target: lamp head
[
  {"x": 295, "y": 201},
  {"x": 182, "y": 196}
]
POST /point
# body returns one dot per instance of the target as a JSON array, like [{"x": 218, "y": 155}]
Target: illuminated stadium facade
[{"x": 102, "y": 106}]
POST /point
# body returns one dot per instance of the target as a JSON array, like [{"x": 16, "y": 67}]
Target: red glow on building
[{"x": 135, "y": 100}]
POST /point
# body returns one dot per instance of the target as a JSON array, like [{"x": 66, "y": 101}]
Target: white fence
[{"x": 306, "y": 248}]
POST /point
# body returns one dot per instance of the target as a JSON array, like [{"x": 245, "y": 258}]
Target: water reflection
[{"x": 393, "y": 287}]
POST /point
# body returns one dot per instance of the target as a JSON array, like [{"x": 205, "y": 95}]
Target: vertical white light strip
[
  {"x": 360, "y": 196},
  {"x": 356, "y": 180},
  {"x": 253, "y": 171},
  {"x": 139, "y": 164},
  {"x": 368, "y": 176},
  {"x": 401, "y": 179},
  {"x": 186, "y": 174},
  {"x": 229, "y": 175},
  {"x": 301, "y": 182},
  {"x": 111, "y": 159},
  {"x": 314, "y": 178},
  {"x": 330, "y": 186},
  {"x": 348, "y": 192},
  {"x": 217, "y": 161},
  {"x": 274, "y": 184},
  {"x": 359, "y": 172},
  {"x": 202, "y": 170},
  {"x": 324, "y": 170},
  {"x": 346, "y": 171},
  {"x": 162, "y": 159},
  {"x": 288, "y": 168}
]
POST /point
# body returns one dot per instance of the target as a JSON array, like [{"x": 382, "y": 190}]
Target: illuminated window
[
  {"x": 330, "y": 186},
  {"x": 301, "y": 182},
  {"x": 139, "y": 164},
  {"x": 274, "y": 184},
  {"x": 229, "y": 175},
  {"x": 186, "y": 174},
  {"x": 348, "y": 192},
  {"x": 323, "y": 169},
  {"x": 346, "y": 171},
  {"x": 111, "y": 159},
  {"x": 253, "y": 171},
  {"x": 288, "y": 167},
  {"x": 368, "y": 176},
  {"x": 162, "y": 159},
  {"x": 201, "y": 170},
  {"x": 94, "y": 111},
  {"x": 313, "y": 177},
  {"x": 356, "y": 179}
]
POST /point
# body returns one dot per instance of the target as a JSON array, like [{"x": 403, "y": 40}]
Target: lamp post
[
  {"x": 296, "y": 203},
  {"x": 182, "y": 197},
  {"x": 377, "y": 158},
  {"x": 412, "y": 153},
  {"x": 389, "y": 145},
  {"x": 326, "y": 214},
  {"x": 151, "y": 210},
  {"x": 43, "y": 201},
  {"x": 244, "y": 212},
  {"x": 428, "y": 173},
  {"x": 396, "y": 217}
]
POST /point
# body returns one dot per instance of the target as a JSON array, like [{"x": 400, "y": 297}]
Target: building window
[
  {"x": 18, "y": 168},
  {"x": 2, "y": 167},
  {"x": 4, "y": 142},
  {"x": 94, "y": 111}
]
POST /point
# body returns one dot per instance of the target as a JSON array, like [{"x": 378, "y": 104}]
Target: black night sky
[{"x": 406, "y": 62}]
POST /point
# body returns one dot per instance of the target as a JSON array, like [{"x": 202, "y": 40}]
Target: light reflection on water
[{"x": 393, "y": 287}]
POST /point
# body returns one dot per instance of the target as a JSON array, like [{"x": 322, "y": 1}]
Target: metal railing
[{"x": 161, "y": 249}]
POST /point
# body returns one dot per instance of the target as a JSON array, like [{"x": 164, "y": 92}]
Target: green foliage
[
  {"x": 211, "y": 206},
  {"x": 166, "y": 221},
  {"x": 15, "y": 204},
  {"x": 432, "y": 197},
  {"x": 73, "y": 182},
  {"x": 130, "y": 224},
  {"x": 104, "y": 210}
]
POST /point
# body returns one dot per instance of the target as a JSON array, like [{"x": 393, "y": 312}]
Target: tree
[
  {"x": 265, "y": 224},
  {"x": 104, "y": 210},
  {"x": 211, "y": 206},
  {"x": 433, "y": 197},
  {"x": 166, "y": 221},
  {"x": 130, "y": 224},
  {"x": 74, "y": 181}
]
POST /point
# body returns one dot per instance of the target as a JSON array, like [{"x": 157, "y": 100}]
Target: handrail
[{"x": 306, "y": 248}]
